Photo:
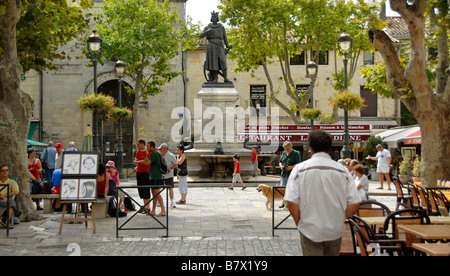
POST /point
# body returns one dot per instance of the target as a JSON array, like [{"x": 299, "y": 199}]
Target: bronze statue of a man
[{"x": 216, "y": 60}]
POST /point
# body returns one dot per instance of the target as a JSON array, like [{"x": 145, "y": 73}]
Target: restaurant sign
[
  {"x": 283, "y": 128},
  {"x": 293, "y": 137}
]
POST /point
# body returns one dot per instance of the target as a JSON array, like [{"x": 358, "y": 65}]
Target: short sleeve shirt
[
  {"x": 170, "y": 162},
  {"x": 322, "y": 188},
  {"x": 140, "y": 155},
  {"x": 383, "y": 157},
  {"x": 155, "y": 172},
  {"x": 13, "y": 186}
]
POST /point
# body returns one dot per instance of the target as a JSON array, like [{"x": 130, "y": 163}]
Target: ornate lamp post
[
  {"x": 120, "y": 69},
  {"x": 311, "y": 72},
  {"x": 94, "y": 45},
  {"x": 345, "y": 49}
]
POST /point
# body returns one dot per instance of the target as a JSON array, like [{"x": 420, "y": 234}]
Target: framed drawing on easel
[{"x": 79, "y": 183}]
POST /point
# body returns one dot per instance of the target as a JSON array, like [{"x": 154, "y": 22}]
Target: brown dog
[{"x": 268, "y": 192}]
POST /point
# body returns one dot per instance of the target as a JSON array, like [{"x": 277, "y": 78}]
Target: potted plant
[
  {"x": 416, "y": 170},
  {"x": 404, "y": 172}
]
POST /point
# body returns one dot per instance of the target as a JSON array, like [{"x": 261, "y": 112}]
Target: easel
[
  {"x": 79, "y": 184},
  {"x": 77, "y": 215}
]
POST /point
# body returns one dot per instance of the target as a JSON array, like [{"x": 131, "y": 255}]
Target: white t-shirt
[
  {"x": 383, "y": 158},
  {"x": 323, "y": 189},
  {"x": 170, "y": 161}
]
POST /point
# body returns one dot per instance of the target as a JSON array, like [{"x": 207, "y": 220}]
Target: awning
[
  {"x": 38, "y": 146},
  {"x": 395, "y": 135},
  {"x": 413, "y": 139}
]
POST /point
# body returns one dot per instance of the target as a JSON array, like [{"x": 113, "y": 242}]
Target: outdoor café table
[
  {"x": 380, "y": 220},
  {"x": 426, "y": 231},
  {"x": 123, "y": 188},
  {"x": 433, "y": 249}
]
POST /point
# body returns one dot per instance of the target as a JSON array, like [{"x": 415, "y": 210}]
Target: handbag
[
  {"x": 182, "y": 171},
  {"x": 36, "y": 187}
]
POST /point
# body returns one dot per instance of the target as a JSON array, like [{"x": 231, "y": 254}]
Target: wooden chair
[
  {"x": 367, "y": 209},
  {"x": 407, "y": 216},
  {"x": 415, "y": 200},
  {"x": 401, "y": 196},
  {"x": 442, "y": 199},
  {"x": 423, "y": 195},
  {"x": 368, "y": 241},
  {"x": 434, "y": 210}
]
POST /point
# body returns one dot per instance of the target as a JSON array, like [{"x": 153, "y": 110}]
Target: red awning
[{"x": 413, "y": 139}]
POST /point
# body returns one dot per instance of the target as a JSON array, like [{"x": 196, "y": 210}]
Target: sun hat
[{"x": 111, "y": 164}]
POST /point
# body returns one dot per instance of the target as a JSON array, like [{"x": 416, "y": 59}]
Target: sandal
[{"x": 181, "y": 202}]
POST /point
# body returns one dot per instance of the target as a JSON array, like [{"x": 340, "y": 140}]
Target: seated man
[{"x": 13, "y": 190}]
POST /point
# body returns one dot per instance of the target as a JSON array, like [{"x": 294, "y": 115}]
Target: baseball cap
[{"x": 58, "y": 145}]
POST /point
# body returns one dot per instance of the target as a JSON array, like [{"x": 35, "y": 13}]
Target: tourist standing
[
  {"x": 172, "y": 164},
  {"x": 323, "y": 192},
  {"x": 384, "y": 165},
  {"x": 58, "y": 156},
  {"x": 142, "y": 173},
  {"x": 155, "y": 177},
  {"x": 48, "y": 158},
  {"x": 35, "y": 168},
  {"x": 182, "y": 174},
  {"x": 288, "y": 160}
]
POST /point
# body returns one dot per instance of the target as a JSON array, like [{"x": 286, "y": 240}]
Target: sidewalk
[{"x": 215, "y": 221}]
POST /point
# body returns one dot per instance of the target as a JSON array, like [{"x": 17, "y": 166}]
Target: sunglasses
[{"x": 5, "y": 170}]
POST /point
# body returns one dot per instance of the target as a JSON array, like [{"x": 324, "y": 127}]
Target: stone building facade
[{"x": 60, "y": 119}]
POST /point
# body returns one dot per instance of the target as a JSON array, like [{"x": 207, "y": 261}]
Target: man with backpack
[
  {"x": 155, "y": 177},
  {"x": 170, "y": 161}
]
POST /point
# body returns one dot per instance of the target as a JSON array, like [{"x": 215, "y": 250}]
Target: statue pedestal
[{"x": 219, "y": 101}]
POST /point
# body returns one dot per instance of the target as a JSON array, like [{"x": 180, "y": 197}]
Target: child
[
  {"x": 114, "y": 176},
  {"x": 254, "y": 160},
  {"x": 237, "y": 173}
]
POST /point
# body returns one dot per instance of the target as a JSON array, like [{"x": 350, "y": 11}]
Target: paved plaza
[{"x": 215, "y": 221}]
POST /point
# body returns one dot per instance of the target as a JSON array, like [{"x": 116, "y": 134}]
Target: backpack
[
  {"x": 112, "y": 209},
  {"x": 163, "y": 167}
]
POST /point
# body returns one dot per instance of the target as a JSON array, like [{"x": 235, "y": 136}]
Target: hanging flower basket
[
  {"x": 104, "y": 106},
  {"x": 117, "y": 113},
  {"x": 96, "y": 103},
  {"x": 347, "y": 100},
  {"x": 311, "y": 113}
]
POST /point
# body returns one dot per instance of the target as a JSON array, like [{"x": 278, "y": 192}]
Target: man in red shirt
[{"x": 142, "y": 172}]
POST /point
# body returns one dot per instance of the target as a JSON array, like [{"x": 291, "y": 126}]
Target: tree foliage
[
  {"x": 44, "y": 27},
  {"x": 273, "y": 31}
]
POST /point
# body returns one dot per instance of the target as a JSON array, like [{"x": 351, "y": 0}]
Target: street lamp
[
  {"x": 311, "y": 72},
  {"x": 345, "y": 49},
  {"x": 94, "y": 46},
  {"x": 120, "y": 69}
]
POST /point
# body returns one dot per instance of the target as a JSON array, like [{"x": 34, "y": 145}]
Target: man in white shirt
[
  {"x": 384, "y": 164},
  {"x": 323, "y": 192}
]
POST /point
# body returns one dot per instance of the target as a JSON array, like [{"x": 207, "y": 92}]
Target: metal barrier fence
[{"x": 143, "y": 207}]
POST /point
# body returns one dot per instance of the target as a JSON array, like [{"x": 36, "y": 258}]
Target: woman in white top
[{"x": 361, "y": 182}]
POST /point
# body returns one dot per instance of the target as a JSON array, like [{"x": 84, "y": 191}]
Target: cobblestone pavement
[{"x": 215, "y": 221}]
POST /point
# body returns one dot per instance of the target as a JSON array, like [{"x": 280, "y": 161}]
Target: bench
[{"x": 48, "y": 198}]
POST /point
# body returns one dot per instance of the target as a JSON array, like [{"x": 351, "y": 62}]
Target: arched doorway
[{"x": 109, "y": 131}]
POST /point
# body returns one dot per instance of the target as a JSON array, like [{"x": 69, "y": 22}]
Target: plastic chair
[
  {"x": 366, "y": 239},
  {"x": 401, "y": 197}
]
